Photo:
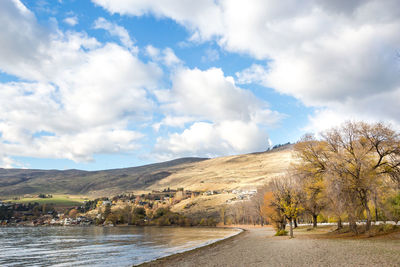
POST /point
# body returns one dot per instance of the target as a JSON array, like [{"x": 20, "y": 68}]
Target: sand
[{"x": 258, "y": 247}]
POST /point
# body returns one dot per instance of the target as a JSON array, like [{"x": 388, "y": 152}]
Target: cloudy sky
[{"x": 116, "y": 83}]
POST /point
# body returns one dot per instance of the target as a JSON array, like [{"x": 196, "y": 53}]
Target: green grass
[{"x": 57, "y": 200}]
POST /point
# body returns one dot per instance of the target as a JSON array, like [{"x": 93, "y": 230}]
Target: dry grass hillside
[{"x": 234, "y": 172}]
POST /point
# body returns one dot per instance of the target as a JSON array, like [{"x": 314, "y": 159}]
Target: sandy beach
[{"x": 259, "y": 247}]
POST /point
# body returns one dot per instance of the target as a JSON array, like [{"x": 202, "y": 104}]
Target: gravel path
[{"x": 258, "y": 247}]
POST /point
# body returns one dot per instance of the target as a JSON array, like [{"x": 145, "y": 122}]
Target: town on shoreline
[{"x": 152, "y": 208}]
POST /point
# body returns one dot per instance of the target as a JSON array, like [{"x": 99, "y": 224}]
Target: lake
[{"x": 99, "y": 246}]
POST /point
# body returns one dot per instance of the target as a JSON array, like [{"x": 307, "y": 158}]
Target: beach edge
[{"x": 189, "y": 251}]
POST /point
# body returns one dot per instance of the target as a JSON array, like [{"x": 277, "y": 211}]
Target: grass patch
[
  {"x": 281, "y": 233},
  {"x": 57, "y": 200},
  {"x": 381, "y": 230}
]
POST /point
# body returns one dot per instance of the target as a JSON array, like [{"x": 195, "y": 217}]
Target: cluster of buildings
[
  {"x": 244, "y": 194},
  {"x": 34, "y": 214},
  {"x": 167, "y": 197},
  {"x": 80, "y": 220}
]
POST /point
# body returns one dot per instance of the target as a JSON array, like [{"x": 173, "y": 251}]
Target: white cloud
[
  {"x": 210, "y": 95},
  {"x": 79, "y": 97},
  {"x": 170, "y": 59},
  {"x": 173, "y": 121},
  {"x": 210, "y": 55},
  {"x": 333, "y": 55},
  {"x": 378, "y": 108},
  {"x": 115, "y": 30},
  {"x": 153, "y": 52},
  {"x": 254, "y": 74},
  {"x": 223, "y": 118},
  {"x": 166, "y": 56},
  {"x": 205, "y": 139},
  {"x": 7, "y": 162},
  {"x": 72, "y": 21},
  {"x": 195, "y": 15}
]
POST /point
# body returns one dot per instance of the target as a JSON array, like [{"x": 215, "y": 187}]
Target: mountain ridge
[{"x": 237, "y": 171}]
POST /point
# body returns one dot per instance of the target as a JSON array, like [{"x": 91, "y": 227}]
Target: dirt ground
[{"x": 259, "y": 247}]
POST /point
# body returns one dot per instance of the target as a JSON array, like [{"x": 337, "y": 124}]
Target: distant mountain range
[{"x": 242, "y": 171}]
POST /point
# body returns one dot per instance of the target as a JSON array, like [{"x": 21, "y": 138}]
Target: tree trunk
[
  {"x": 315, "y": 216},
  {"x": 291, "y": 228},
  {"x": 376, "y": 207},
  {"x": 339, "y": 224},
  {"x": 353, "y": 225},
  {"x": 282, "y": 225},
  {"x": 295, "y": 223},
  {"x": 368, "y": 224}
]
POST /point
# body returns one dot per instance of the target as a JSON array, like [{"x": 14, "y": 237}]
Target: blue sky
[{"x": 108, "y": 84}]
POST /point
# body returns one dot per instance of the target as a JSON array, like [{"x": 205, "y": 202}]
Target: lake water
[{"x": 99, "y": 246}]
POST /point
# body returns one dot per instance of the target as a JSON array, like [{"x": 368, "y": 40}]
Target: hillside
[
  {"x": 233, "y": 172},
  {"x": 25, "y": 181}
]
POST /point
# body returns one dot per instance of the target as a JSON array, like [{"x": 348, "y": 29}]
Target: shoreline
[
  {"x": 257, "y": 246},
  {"x": 192, "y": 250}
]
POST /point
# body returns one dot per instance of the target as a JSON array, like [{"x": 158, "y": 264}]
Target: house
[
  {"x": 106, "y": 202},
  {"x": 67, "y": 221},
  {"x": 179, "y": 195}
]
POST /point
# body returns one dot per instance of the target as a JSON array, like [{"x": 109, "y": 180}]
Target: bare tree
[{"x": 258, "y": 203}]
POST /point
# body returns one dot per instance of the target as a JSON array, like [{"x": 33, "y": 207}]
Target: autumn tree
[
  {"x": 363, "y": 156},
  {"x": 107, "y": 211},
  {"x": 222, "y": 214},
  {"x": 258, "y": 204},
  {"x": 286, "y": 199},
  {"x": 309, "y": 173},
  {"x": 272, "y": 212},
  {"x": 392, "y": 207},
  {"x": 73, "y": 213},
  {"x": 352, "y": 162},
  {"x": 336, "y": 200}
]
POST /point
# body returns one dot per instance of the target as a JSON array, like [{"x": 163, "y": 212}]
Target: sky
[{"x": 100, "y": 84}]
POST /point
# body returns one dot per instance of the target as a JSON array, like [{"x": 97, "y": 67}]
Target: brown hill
[{"x": 233, "y": 172}]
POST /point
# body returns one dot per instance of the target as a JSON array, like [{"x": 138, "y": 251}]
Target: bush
[
  {"x": 161, "y": 212},
  {"x": 165, "y": 217},
  {"x": 385, "y": 228},
  {"x": 281, "y": 233},
  {"x": 393, "y": 207},
  {"x": 138, "y": 216}
]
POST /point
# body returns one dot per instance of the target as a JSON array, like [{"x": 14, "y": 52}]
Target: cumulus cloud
[
  {"x": 7, "y": 162},
  {"x": 213, "y": 139},
  {"x": 223, "y": 118},
  {"x": 195, "y": 15},
  {"x": 115, "y": 30},
  {"x": 210, "y": 95},
  {"x": 166, "y": 56},
  {"x": 333, "y": 55},
  {"x": 72, "y": 21},
  {"x": 79, "y": 97}
]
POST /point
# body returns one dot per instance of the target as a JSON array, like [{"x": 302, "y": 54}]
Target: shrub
[
  {"x": 281, "y": 232},
  {"x": 388, "y": 228},
  {"x": 161, "y": 212}
]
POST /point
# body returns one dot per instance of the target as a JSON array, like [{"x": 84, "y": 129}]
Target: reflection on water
[{"x": 98, "y": 246}]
